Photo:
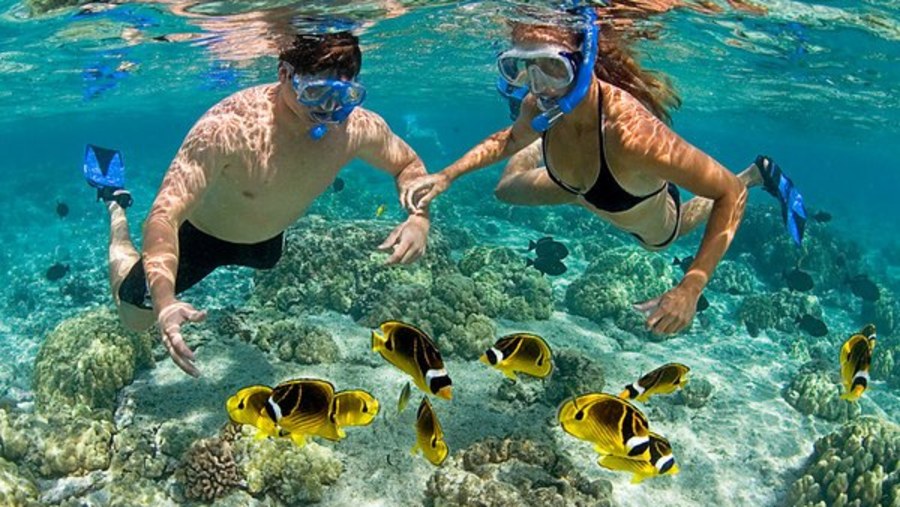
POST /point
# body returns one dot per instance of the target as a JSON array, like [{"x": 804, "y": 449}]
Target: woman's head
[{"x": 616, "y": 62}]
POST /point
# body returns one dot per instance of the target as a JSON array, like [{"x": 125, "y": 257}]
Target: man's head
[
  {"x": 332, "y": 55},
  {"x": 318, "y": 78}
]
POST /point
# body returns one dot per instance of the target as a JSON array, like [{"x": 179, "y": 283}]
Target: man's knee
[
  {"x": 134, "y": 318},
  {"x": 502, "y": 193}
]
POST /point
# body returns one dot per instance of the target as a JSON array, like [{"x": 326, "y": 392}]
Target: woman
[{"x": 606, "y": 146}]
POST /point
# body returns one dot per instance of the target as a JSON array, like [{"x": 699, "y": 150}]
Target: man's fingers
[
  {"x": 662, "y": 324},
  {"x": 186, "y": 366},
  {"x": 178, "y": 345},
  {"x": 391, "y": 239},
  {"x": 197, "y": 316},
  {"x": 399, "y": 252},
  {"x": 646, "y": 306},
  {"x": 411, "y": 254}
]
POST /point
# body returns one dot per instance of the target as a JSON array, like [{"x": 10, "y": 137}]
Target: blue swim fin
[
  {"x": 104, "y": 169},
  {"x": 775, "y": 182}
]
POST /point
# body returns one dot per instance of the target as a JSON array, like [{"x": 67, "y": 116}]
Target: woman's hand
[
  {"x": 672, "y": 312},
  {"x": 418, "y": 194}
]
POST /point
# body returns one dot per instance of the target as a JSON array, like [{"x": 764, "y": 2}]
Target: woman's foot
[{"x": 782, "y": 188}]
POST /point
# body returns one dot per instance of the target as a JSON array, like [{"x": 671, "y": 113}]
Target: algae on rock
[
  {"x": 857, "y": 465},
  {"x": 86, "y": 360},
  {"x": 812, "y": 392}
]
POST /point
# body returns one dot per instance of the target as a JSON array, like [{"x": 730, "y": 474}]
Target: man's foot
[
  {"x": 104, "y": 169},
  {"x": 119, "y": 196},
  {"x": 782, "y": 188}
]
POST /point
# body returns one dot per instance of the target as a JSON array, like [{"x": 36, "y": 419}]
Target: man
[{"x": 247, "y": 170}]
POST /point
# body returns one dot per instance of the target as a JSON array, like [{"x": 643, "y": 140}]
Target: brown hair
[
  {"x": 616, "y": 64},
  {"x": 336, "y": 53}
]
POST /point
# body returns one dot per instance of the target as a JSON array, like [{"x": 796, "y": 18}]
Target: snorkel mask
[
  {"x": 547, "y": 70},
  {"x": 328, "y": 100}
]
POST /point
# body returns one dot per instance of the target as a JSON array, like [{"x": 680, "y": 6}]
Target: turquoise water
[{"x": 816, "y": 85}]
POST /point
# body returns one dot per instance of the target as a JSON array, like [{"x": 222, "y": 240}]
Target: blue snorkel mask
[
  {"x": 328, "y": 100},
  {"x": 522, "y": 72}
]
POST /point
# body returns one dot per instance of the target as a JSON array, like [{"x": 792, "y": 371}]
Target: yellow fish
[
  {"x": 246, "y": 407},
  {"x": 521, "y": 352},
  {"x": 352, "y": 408},
  {"x": 613, "y": 425},
  {"x": 301, "y": 408},
  {"x": 663, "y": 380},
  {"x": 856, "y": 356},
  {"x": 661, "y": 461},
  {"x": 429, "y": 435},
  {"x": 404, "y": 398},
  {"x": 411, "y": 349},
  {"x": 380, "y": 210}
]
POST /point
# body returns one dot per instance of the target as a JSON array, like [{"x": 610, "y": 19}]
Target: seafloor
[{"x": 93, "y": 415}]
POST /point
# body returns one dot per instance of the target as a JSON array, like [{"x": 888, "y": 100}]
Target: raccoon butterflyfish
[
  {"x": 520, "y": 353},
  {"x": 353, "y": 408},
  {"x": 663, "y": 380},
  {"x": 247, "y": 405},
  {"x": 613, "y": 425},
  {"x": 856, "y": 356},
  {"x": 403, "y": 400},
  {"x": 301, "y": 408},
  {"x": 411, "y": 349},
  {"x": 429, "y": 435},
  {"x": 661, "y": 461}
]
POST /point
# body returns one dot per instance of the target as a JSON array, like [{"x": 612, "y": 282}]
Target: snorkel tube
[{"x": 567, "y": 103}]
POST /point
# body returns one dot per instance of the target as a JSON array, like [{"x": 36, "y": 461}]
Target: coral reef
[
  {"x": 86, "y": 360},
  {"x": 504, "y": 287},
  {"x": 513, "y": 472},
  {"x": 574, "y": 373},
  {"x": 334, "y": 267},
  {"x": 856, "y": 465},
  {"x": 58, "y": 445},
  {"x": 812, "y": 392},
  {"x": 614, "y": 281},
  {"x": 289, "y": 339},
  {"x": 886, "y": 360},
  {"x": 16, "y": 487},
  {"x": 763, "y": 241},
  {"x": 696, "y": 393},
  {"x": 734, "y": 277},
  {"x": 883, "y": 313},
  {"x": 294, "y": 475},
  {"x": 208, "y": 470},
  {"x": 777, "y": 310}
]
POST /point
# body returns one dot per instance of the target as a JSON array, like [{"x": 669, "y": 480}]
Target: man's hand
[
  {"x": 418, "y": 193},
  {"x": 407, "y": 241},
  {"x": 671, "y": 312},
  {"x": 170, "y": 320}
]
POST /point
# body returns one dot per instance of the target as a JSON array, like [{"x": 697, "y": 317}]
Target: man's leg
[
  {"x": 697, "y": 210},
  {"x": 122, "y": 257}
]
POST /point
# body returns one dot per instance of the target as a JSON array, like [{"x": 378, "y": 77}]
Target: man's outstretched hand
[
  {"x": 170, "y": 319},
  {"x": 407, "y": 241}
]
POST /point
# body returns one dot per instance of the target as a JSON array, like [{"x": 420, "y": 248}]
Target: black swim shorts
[{"x": 200, "y": 254}]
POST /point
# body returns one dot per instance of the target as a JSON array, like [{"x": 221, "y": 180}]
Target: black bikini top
[{"x": 606, "y": 194}]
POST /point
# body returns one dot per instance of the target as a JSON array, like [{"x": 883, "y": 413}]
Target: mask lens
[
  {"x": 314, "y": 93},
  {"x": 513, "y": 70},
  {"x": 557, "y": 69},
  {"x": 354, "y": 94}
]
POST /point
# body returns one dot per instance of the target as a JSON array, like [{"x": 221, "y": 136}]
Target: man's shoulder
[{"x": 248, "y": 100}]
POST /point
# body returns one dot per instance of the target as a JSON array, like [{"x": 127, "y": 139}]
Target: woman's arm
[
  {"x": 496, "y": 147},
  {"x": 525, "y": 181},
  {"x": 655, "y": 148}
]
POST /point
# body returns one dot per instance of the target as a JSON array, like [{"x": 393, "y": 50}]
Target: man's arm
[
  {"x": 183, "y": 185},
  {"x": 383, "y": 149}
]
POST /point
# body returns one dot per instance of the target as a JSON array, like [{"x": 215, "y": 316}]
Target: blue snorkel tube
[{"x": 567, "y": 103}]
